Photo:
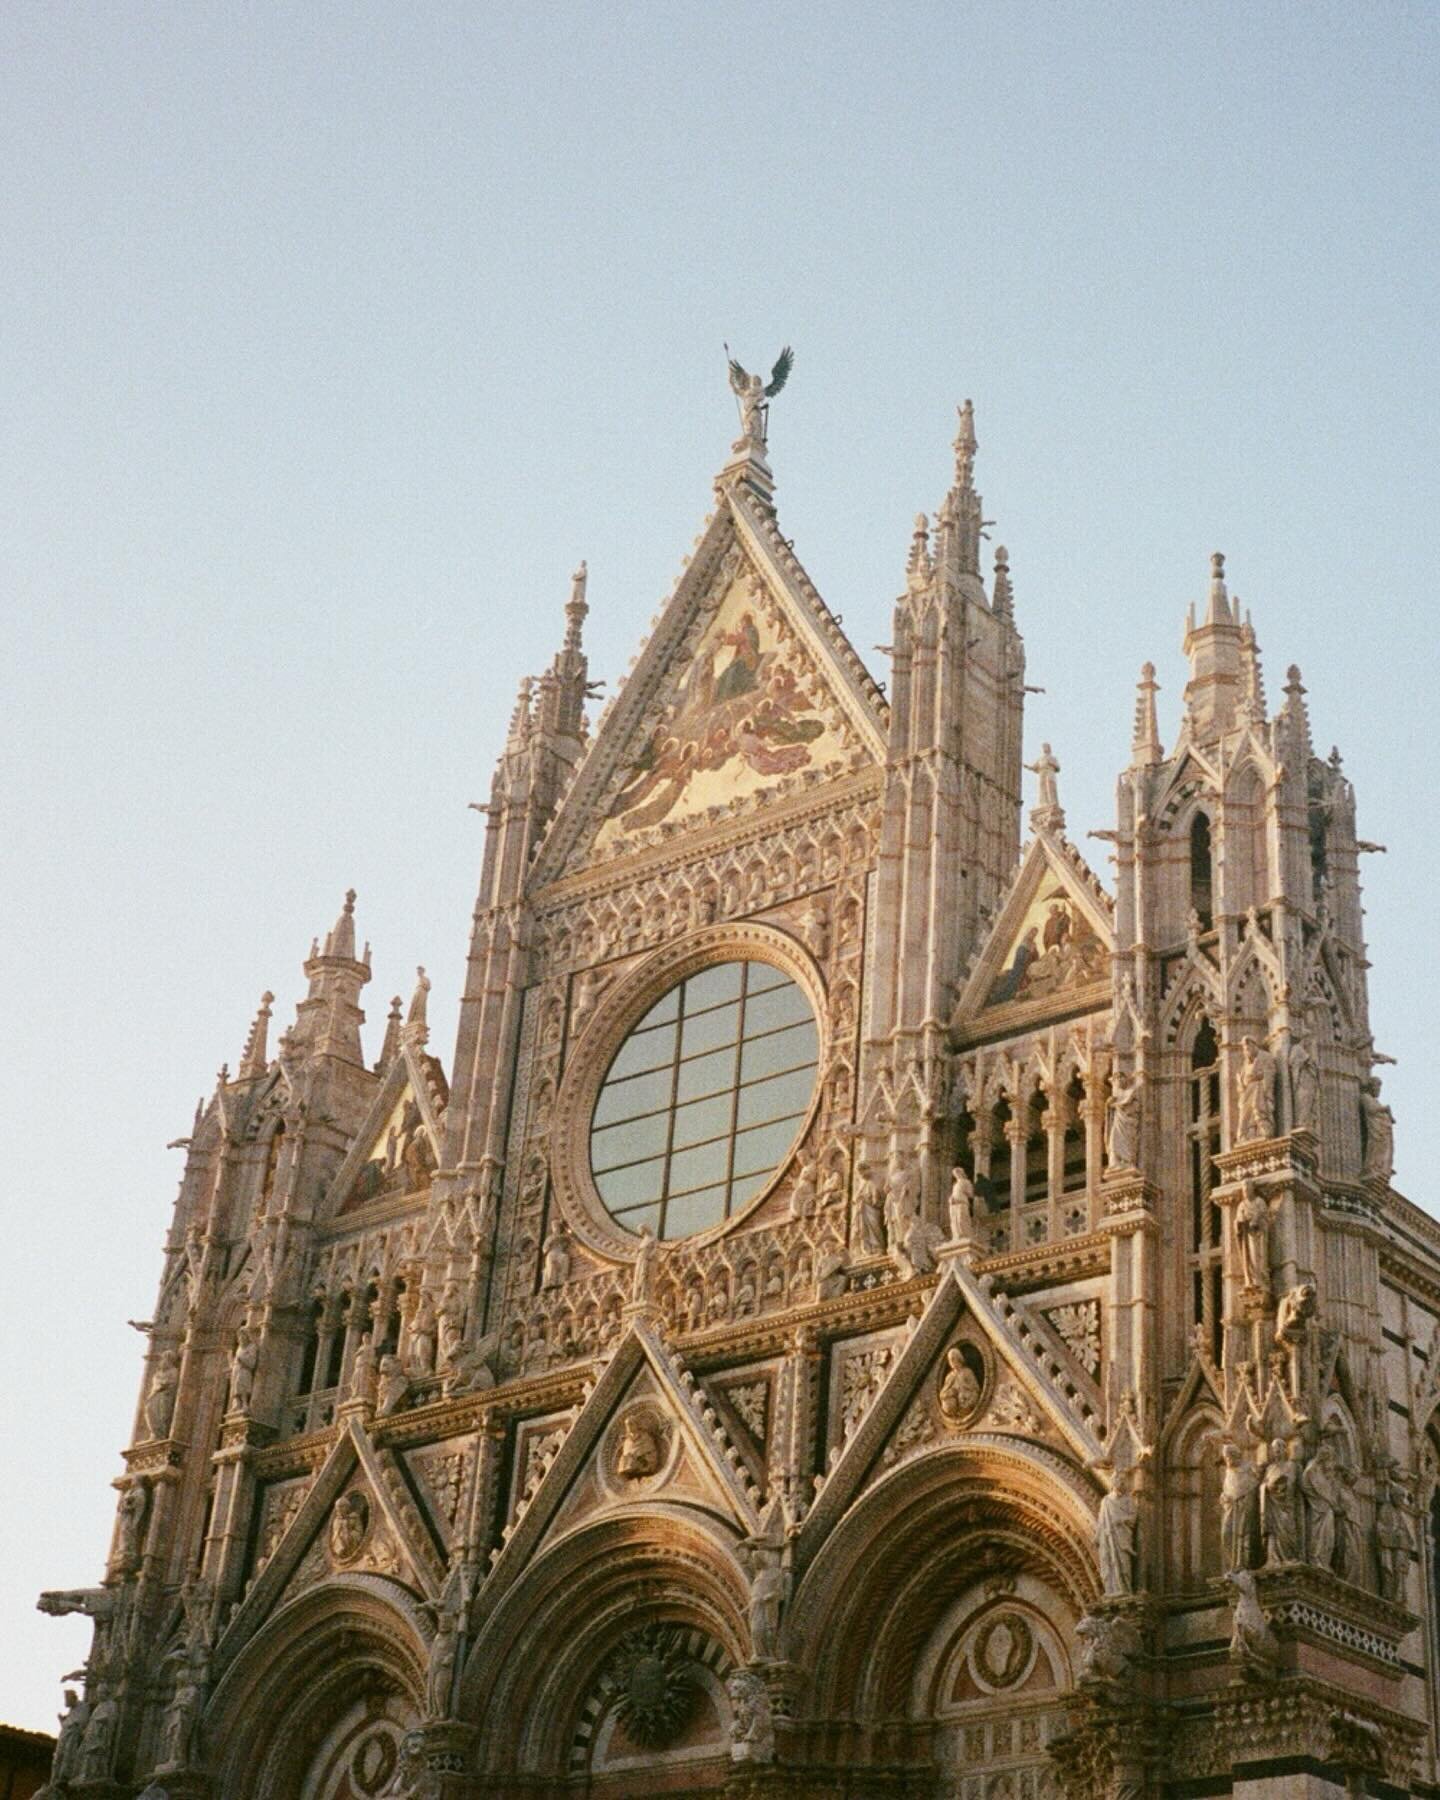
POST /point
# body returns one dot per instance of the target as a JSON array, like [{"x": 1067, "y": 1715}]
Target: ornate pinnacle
[
  {"x": 340, "y": 941},
  {"x": 255, "y": 1059},
  {"x": 1004, "y": 596},
  {"x": 1145, "y": 745},
  {"x": 417, "y": 1030},
  {"x": 576, "y": 608},
  {"x": 1252, "y": 679},
  {"x": 390, "y": 1049},
  {"x": 966, "y": 444},
  {"x": 1219, "y": 609},
  {"x": 919, "y": 567}
]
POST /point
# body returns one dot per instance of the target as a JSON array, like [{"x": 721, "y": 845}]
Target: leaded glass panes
[{"x": 704, "y": 1099}]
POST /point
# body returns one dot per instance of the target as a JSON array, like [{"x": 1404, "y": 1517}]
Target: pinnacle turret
[
  {"x": 957, "y": 547},
  {"x": 328, "y": 1019},
  {"x": 255, "y": 1058},
  {"x": 390, "y": 1049},
  {"x": 1213, "y": 647},
  {"x": 1003, "y": 595},
  {"x": 417, "y": 1030},
  {"x": 1145, "y": 744}
]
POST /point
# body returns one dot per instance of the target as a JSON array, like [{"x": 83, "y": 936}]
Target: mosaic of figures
[
  {"x": 752, "y": 706},
  {"x": 1056, "y": 949}
]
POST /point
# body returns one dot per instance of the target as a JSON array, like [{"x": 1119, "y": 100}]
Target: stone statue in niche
[
  {"x": 1304, "y": 1083},
  {"x": 803, "y": 1195},
  {"x": 450, "y": 1320},
  {"x": 1323, "y": 1492},
  {"x": 242, "y": 1370},
  {"x": 902, "y": 1200},
  {"x": 160, "y": 1400},
  {"x": 1256, "y": 1093},
  {"x": 394, "y": 1386},
  {"x": 362, "y": 1370},
  {"x": 1393, "y": 1544},
  {"x": 1115, "y": 1529},
  {"x": 915, "y": 1253},
  {"x": 752, "y": 1729},
  {"x": 99, "y": 1741},
  {"x": 1379, "y": 1126},
  {"x": 962, "y": 1206},
  {"x": 557, "y": 1259},
  {"x": 65, "y": 1764},
  {"x": 769, "y": 1591},
  {"x": 450, "y": 1612},
  {"x": 1239, "y": 1510},
  {"x": 1252, "y": 1236},
  {"x": 422, "y": 1336},
  {"x": 1122, "y": 1132},
  {"x": 1280, "y": 1521},
  {"x": 134, "y": 1503},
  {"x": 960, "y": 1388},
  {"x": 642, "y": 1275},
  {"x": 869, "y": 1219},
  {"x": 832, "y": 1188}
]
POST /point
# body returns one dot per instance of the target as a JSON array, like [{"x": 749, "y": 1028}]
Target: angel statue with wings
[{"x": 752, "y": 391}]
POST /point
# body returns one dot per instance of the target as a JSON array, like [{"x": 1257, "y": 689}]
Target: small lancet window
[{"x": 1201, "y": 901}]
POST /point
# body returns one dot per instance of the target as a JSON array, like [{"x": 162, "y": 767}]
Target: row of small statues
[
  {"x": 1255, "y": 1112},
  {"x": 1286, "y": 1510}
]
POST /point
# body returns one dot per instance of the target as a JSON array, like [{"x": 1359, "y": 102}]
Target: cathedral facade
[{"x": 865, "y": 1309}]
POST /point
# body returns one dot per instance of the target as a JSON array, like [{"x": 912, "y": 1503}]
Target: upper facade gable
[
  {"x": 398, "y": 1144},
  {"x": 745, "y": 692},
  {"x": 1049, "y": 948}
]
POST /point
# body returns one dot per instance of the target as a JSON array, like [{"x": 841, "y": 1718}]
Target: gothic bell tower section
[{"x": 950, "y": 823}]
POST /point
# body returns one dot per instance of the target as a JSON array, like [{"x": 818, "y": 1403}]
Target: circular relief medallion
[
  {"x": 704, "y": 1098},
  {"x": 349, "y": 1526},
  {"x": 1003, "y": 1650},
  {"x": 961, "y": 1385},
  {"x": 374, "y": 1762},
  {"x": 637, "y": 1451}
]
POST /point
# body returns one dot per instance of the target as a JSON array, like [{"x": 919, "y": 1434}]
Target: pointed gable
[
  {"x": 745, "y": 690},
  {"x": 398, "y": 1145},
  {"x": 1049, "y": 948}
]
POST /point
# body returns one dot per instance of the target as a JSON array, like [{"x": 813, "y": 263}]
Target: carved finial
[
  {"x": 1145, "y": 745},
  {"x": 1003, "y": 602},
  {"x": 520, "y": 718},
  {"x": 255, "y": 1058},
  {"x": 1219, "y": 608},
  {"x": 576, "y": 608},
  {"x": 919, "y": 568},
  {"x": 1294, "y": 714},
  {"x": 341, "y": 940},
  {"x": 966, "y": 444},
  {"x": 1047, "y": 814},
  {"x": 390, "y": 1049},
  {"x": 416, "y": 1029}
]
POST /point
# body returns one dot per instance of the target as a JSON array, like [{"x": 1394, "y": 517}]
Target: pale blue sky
[{"x": 332, "y": 336}]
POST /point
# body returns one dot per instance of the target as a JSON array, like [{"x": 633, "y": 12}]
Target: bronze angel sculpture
[{"x": 752, "y": 391}]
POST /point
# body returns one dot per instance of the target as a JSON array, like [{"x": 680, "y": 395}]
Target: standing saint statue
[
  {"x": 1304, "y": 1083},
  {"x": 1280, "y": 1518},
  {"x": 1239, "y": 1510},
  {"x": 1122, "y": 1137},
  {"x": 1115, "y": 1536},
  {"x": 1257, "y": 1093},
  {"x": 962, "y": 1206},
  {"x": 1379, "y": 1123},
  {"x": 1252, "y": 1237},
  {"x": 642, "y": 1276}
]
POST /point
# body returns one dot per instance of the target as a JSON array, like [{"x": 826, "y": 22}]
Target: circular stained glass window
[{"x": 704, "y": 1099}]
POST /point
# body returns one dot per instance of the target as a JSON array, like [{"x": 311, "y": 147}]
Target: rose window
[{"x": 705, "y": 1098}]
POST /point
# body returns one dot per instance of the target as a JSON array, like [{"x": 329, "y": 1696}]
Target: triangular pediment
[
  {"x": 745, "y": 692},
  {"x": 1049, "y": 947},
  {"x": 398, "y": 1145},
  {"x": 642, "y": 1437},
  {"x": 1025, "y": 1385}
]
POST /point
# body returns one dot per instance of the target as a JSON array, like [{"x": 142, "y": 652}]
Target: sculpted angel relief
[{"x": 741, "y": 709}]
